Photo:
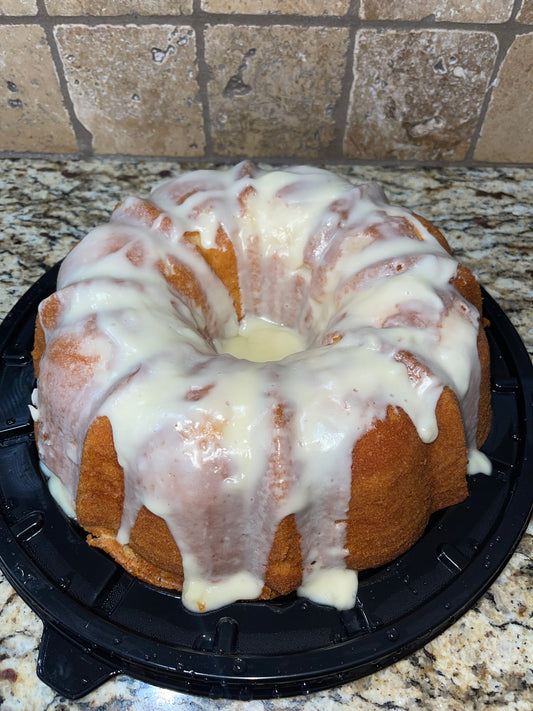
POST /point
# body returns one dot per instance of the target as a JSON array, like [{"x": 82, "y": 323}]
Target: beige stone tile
[
  {"x": 18, "y": 7},
  {"x": 118, "y": 7},
  {"x": 507, "y": 132},
  {"x": 134, "y": 88},
  {"x": 33, "y": 117},
  {"x": 278, "y": 7},
  {"x": 274, "y": 90},
  {"x": 417, "y": 95},
  {"x": 443, "y": 10},
  {"x": 525, "y": 14}
]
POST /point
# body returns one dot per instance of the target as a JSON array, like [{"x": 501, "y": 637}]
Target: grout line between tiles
[
  {"x": 83, "y": 136},
  {"x": 203, "y": 80},
  {"x": 343, "y": 107},
  {"x": 505, "y": 35},
  {"x": 274, "y": 160}
]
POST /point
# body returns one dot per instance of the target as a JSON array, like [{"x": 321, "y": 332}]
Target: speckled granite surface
[{"x": 485, "y": 660}]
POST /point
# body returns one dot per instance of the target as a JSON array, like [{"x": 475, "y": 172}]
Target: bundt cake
[{"x": 259, "y": 382}]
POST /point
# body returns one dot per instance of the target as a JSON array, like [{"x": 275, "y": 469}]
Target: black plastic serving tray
[{"x": 99, "y": 621}]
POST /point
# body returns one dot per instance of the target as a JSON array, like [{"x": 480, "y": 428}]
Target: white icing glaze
[
  {"x": 59, "y": 492},
  {"x": 260, "y": 340},
  {"x": 34, "y": 405},
  {"x": 331, "y": 587},
  {"x": 478, "y": 463},
  {"x": 195, "y": 427}
]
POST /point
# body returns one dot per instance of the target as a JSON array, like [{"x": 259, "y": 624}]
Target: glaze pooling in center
[{"x": 260, "y": 340}]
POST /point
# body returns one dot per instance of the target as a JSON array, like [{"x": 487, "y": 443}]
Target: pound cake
[{"x": 260, "y": 381}]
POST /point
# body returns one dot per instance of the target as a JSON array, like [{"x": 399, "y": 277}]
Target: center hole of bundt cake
[{"x": 261, "y": 340}]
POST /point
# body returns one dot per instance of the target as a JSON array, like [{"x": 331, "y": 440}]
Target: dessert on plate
[{"x": 260, "y": 381}]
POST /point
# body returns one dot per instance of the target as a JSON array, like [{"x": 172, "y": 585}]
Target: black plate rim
[{"x": 304, "y": 673}]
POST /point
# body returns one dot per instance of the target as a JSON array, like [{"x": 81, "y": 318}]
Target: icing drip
[{"x": 335, "y": 285}]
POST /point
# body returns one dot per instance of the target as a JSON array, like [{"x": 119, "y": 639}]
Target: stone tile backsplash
[
  {"x": 272, "y": 90},
  {"x": 122, "y": 109},
  {"x": 432, "y": 117},
  {"x": 419, "y": 81}
]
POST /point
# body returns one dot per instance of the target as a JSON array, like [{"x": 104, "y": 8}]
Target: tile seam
[
  {"x": 203, "y": 80},
  {"x": 274, "y": 160},
  {"x": 83, "y": 136},
  {"x": 505, "y": 35},
  {"x": 347, "y": 82},
  {"x": 202, "y": 17}
]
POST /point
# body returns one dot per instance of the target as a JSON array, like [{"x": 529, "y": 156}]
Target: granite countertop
[{"x": 483, "y": 660}]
